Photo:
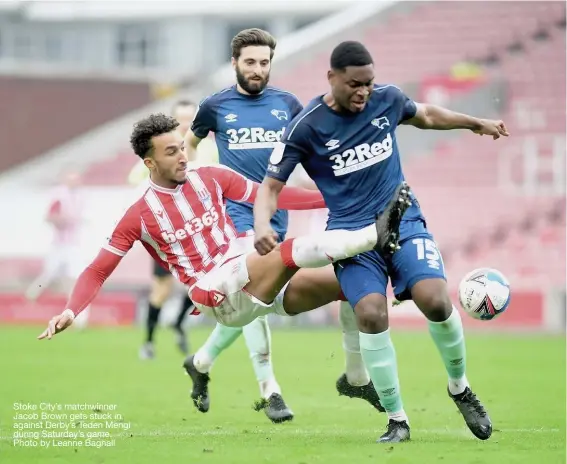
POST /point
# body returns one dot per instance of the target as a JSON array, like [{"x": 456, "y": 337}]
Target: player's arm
[
  {"x": 203, "y": 123},
  {"x": 93, "y": 277},
  {"x": 426, "y": 116},
  {"x": 238, "y": 188},
  {"x": 283, "y": 161},
  {"x": 191, "y": 144}
]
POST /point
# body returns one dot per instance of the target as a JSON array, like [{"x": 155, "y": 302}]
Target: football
[{"x": 484, "y": 293}]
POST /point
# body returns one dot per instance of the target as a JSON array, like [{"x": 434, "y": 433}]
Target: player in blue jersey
[
  {"x": 346, "y": 142},
  {"x": 248, "y": 119}
]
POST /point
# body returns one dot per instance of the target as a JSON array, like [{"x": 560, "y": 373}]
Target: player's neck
[
  {"x": 240, "y": 90},
  {"x": 163, "y": 184},
  {"x": 330, "y": 101}
]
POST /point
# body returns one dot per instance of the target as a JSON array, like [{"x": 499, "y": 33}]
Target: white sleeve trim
[
  {"x": 249, "y": 187},
  {"x": 114, "y": 250},
  {"x": 301, "y": 119}
]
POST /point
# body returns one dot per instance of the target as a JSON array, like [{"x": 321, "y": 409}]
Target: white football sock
[
  {"x": 356, "y": 373},
  {"x": 399, "y": 416},
  {"x": 458, "y": 386},
  {"x": 327, "y": 247},
  {"x": 258, "y": 341},
  {"x": 202, "y": 361},
  {"x": 268, "y": 387}
]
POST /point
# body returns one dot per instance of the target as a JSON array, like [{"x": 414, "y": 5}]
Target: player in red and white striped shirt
[{"x": 182, "y": 222}]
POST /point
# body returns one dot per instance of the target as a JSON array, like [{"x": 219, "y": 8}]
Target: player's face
[
  {"x": 168, "y": 164},
  {"x": 253, "y": 68},
  {"x": 352, "y": 87},
  {"x": 184, "y": 116}
]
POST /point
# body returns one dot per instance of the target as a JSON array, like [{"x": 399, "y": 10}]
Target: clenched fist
[
  {"x": 265, "y": 240},
  {"x": 492, "y": 127}
]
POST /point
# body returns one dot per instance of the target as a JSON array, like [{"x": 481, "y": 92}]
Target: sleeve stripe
[
  {"x": 114, "y": 250},
  {"x": 275, "y": 89},
  {"x": 249, "y": 186},
  {"x": 301, "y": 119}
]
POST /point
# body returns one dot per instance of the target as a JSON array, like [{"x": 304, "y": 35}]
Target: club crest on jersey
[
  {"x": 380, "y": 123},
  {"x": 203, "y": 194},
  {"x": 281, "y": 115},
  {"x": 231, "y": 117}
]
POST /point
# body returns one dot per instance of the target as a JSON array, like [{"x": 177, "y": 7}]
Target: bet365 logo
[{"x": 192, "y": 227}]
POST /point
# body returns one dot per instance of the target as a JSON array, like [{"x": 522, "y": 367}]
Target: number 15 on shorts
[{"x": 427, "y": 250}]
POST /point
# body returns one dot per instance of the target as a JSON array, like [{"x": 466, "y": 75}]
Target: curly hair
[{"x": 152, "y": 126}]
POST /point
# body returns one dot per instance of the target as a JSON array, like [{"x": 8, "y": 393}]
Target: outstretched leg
[
  {"x": 418, "y": 274},
  {"x": 446, "y": 329},
  {"x": 269, "y": 273}
]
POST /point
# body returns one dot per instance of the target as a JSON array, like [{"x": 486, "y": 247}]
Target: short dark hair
[
  {"x": 350, "y": 53},
  {"x": 155, "y": 124},
  {"x": 182, "y": 103},
  {"x": 250, "y": 38}
]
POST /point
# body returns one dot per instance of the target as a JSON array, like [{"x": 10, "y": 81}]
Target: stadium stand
[
  {"x": 464, "y": 200},
  {"x": 478, "y": 221},
  {"x": 56, "y": 110}
]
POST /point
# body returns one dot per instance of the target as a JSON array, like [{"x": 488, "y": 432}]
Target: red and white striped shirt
[{"x": 185, "y": 229}]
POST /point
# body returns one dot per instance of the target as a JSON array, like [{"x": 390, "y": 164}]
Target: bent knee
[
  {"x": 372, "y": 314},
  {"x": 435, "y": 306}
]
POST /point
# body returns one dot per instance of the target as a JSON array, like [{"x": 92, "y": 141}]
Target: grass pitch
[{"x": 520, "y": 379}]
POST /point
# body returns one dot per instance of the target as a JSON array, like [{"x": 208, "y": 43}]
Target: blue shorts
[
  {"x": 244, "y": 225},
  {"x": 418, "y": 259},
  {"x": 243, "y": 218}
]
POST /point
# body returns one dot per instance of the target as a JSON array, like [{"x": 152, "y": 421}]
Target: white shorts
[{"x": 220, "y": 294}]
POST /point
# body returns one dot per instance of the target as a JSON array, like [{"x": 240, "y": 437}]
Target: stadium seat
[{"x": 458, "y": 184}]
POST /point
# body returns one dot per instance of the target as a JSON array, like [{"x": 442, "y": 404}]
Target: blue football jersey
[
  {"x": 247, "y": 128},
  {"x": 352, "y": 157}
]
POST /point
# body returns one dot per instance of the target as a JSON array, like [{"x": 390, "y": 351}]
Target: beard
[
  {"x": 180, "y": 182},
  {"x": 252, "y": 87},
  {"x": 168, "y": 178}
]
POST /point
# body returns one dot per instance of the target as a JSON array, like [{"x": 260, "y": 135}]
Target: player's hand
[
  {"x": 495, "y": 128},
  {"x": 265, "y": 240},
  {"x": 57, "y": 324}
]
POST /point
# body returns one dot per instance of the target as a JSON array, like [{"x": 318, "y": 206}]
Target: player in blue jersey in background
[
  {"x": 346, "y": 142},
  {"x": 248, "y": 119}
]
